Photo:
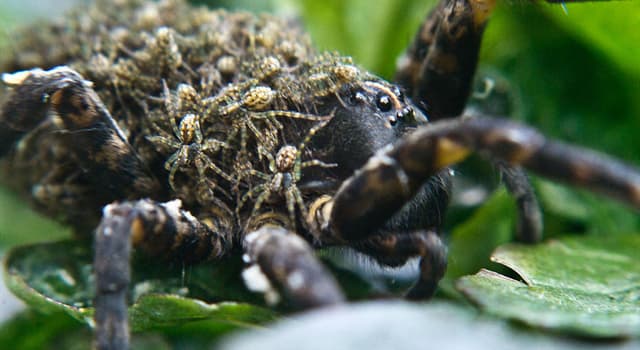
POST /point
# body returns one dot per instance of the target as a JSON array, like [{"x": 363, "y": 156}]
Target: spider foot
[
  {"x": 282, "y": 265},
  {"x": 159, "y": 229}
]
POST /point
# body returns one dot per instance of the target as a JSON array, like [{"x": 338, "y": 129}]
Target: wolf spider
[{"x": 386, "y": 196}]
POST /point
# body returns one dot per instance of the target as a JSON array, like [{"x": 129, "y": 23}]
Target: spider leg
[
  {"x": 529, "y": 221},
  {"x": 439, "y": 65},
  {"x": 243, "y": 137},
  {"x": 84, "y": 135},
  {"x": 208, "y": 163},
  {"x": 206, "y": 186},
  {"x": 260, "y": 137},
  {"x": 438, "y": 70},
  {"x": 156, "y": 229},
  {"x": 290, "y": 267},
  {"x": 392, "y": 176},
  {"x": 293, "y": 198},
  {"x": 174, "y": 162},
  {"x": 395, "y": 249},
  {"x": 170, "y": 105},
  {"x": 164, "y": 141},
  {"x": 265, "y": 193},
  {"x": 86, "y": 127},
  {"x": 261, "y": 190}
]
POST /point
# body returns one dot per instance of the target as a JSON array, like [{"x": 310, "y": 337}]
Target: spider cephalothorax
[{"x": 192, "y": 134}]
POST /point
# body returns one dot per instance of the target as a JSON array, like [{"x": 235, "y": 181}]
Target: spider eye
[
  {"x": 357, "y": 97},
  {"x": 384, "y": 103}
]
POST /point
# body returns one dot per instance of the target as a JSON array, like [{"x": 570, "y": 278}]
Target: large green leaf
[
  {"x": 588, "y": 286},
  {"x": 619, "y": 42},
  {"x": 30, "y": 330},
  {"x": 53, "y": 282}
]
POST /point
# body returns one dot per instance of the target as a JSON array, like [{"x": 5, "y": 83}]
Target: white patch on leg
[
  {"x": 17, "y": 78},
  {"x": 295, "y": 280},
  {"x": 256, "y": 281}
]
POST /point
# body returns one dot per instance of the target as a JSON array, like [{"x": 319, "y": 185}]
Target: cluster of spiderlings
[
  {"x": 326, "y": 73},
  {"x": 195, "y": 90}
]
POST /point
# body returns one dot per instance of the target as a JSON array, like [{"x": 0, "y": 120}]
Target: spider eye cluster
[
  {"x": 383, "y": 102},
  {"x": 357, "y": 97}
]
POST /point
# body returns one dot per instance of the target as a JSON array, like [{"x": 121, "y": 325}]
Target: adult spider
[{"x": 386, "y": 197}]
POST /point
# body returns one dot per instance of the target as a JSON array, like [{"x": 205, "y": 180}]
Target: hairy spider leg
[
  {"x": 281, "y": 262},
  {"x": 530, "y": 221},
  {"x": 437, "y": 70},
  {"x": 299, "y": 164},
  {"x": 82, "y": 120},
  {"x": 394, "y": 174},
  {"x": 263, "y": 190},
  {"x": 438, "y": 67},
  {"x": 271, "y": 119},
  {"x": 395, "y": 249},
  {"x": 375, "y": 193},
  {"x": 159, "y": 229}
]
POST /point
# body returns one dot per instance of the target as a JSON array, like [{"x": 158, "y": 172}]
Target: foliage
[
  {"x": 586, "y": 286},
  {"x": 573, "y": 75}
]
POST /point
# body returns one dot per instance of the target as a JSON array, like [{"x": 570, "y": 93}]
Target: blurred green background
[{"x": 574, "y": 74}]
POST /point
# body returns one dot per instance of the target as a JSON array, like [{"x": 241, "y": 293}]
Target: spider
[
  {"x": 285, "y": 172},
  {"x": 190, "y": 146},
  {"x": 107, "y": 138}
]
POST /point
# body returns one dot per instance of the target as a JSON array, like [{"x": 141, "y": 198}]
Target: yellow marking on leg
[
  {"x": 137, "y": 232},
  {"x": 86, "y": 115},
  {"x": 482, "y": 10},
  {"x": 449, "y": 152}
]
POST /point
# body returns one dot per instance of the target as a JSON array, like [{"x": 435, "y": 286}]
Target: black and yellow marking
[
  {"x": 376, "y": 192},
  {"x": 439, "y": 66}
]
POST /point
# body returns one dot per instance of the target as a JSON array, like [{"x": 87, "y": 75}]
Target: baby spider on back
[
  {"x": 280, "y": 182},
  {"x": 191, "y": 149}
]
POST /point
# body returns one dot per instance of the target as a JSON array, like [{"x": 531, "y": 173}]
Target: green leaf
[
  {"x": 31, "y": 330},
  {"x": 53, "y": 282},
  {"x": 20, "y": 224},
  {"x": 473, "y": 241},
  {"x": 165, "y": 310},
  {"x": 588, "y": 286},
  {"x": 619, "y": 42}
]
